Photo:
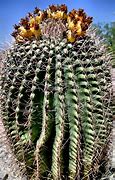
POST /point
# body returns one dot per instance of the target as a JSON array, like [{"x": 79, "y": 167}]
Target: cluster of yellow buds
[
  {"x": 57, "y": 12},
  {"x": 78, "y": 23},
  {"x": 29, "y": 27}
]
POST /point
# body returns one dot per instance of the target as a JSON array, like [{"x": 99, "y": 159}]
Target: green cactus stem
[{"x": 57, "y": 96}]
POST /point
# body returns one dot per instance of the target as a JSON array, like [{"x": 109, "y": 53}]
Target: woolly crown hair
[{"x": 52, "y": 22}]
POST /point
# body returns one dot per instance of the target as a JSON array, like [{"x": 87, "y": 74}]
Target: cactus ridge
[
  {"x": 87, "y": 117},
  {"x": 74, "y": 125},
  {"x": 102, "y": 111},
  {"x": 57, "y": 101},
  {"x": 45, "y": 118},
  {"x": 59, "y": 121},
  {"x": 15, "y": 105}
]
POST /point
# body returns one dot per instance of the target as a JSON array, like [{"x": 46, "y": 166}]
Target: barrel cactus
[{"x": 56, "y": 96}]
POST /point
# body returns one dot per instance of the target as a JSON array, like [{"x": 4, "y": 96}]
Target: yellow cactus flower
[
  {"x": 19, "y": 38},
  {"x": 24, "y": 32},
  {"x": 70, "y": 36},
  {"x": 71, "y": 25},
  {"x": 78, "y": 28},
  {"x": 68, "y": 19},
  {"x": 36, "y": 31},
  {"x": 76, "y": 16},
  {"x": 49, "y": 13},
  {"x": 74, "y": 24},
  {"x": 38, "y": 19},
  {"x": 32, "y": 21},
  {"x": 59, "y": 15}
]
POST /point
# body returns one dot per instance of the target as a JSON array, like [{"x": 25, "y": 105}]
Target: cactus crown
[{"x": 52, "y": 22}]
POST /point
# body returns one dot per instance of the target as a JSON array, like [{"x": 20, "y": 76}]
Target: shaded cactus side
[{"x": 56, "y": 106}]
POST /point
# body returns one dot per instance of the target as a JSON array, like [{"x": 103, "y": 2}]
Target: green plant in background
[
  {"x": 108, "y": 32},
  {"x": 56, "y": 96}
]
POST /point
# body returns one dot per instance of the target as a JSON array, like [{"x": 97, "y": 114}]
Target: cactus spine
[{"x": 56, "y": 96}]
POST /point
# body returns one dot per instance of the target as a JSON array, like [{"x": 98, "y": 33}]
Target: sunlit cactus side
[{"x": 56, "y": 96}]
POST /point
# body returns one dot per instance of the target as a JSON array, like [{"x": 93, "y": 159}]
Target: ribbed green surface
[
  {"x": 56, "y": 107},
  {"x": 59, "y": 105},
  {"x": 74, "y": 121}
]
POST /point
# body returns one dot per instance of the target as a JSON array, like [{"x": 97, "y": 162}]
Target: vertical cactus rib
[
  {"x": 32, "y": 94},
  {"x": 10, "y": 66},
  {"x": 22, "y": 121},
  {"x": 102, "y": 108},
  {"x": 88, "y": 129},
  {"x": 13, "y": 89},
  {"x": 4, "y": 76},
  {"x": 86, "y": 114},
  {"x": 23, "y": 97},
  {"x": 33, "y": 97},
  {"x": 74, "y": 121},
  {"x": 22, "y": 90},
  {"x": 59, "y": 121},
  {"x": 87, "y": 125},
  {"x": 98, "y": 112},
  {"x": 106, "y": 87},
  {"x": 108, "y": 107},
  {"x": 10, "y": 112},
  {"x": 45, "y": 121},
  {"x": 97, "y": 97},
  {"x": 31, "y": 106}
]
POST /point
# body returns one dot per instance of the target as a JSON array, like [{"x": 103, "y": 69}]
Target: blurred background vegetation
[{"x": 107, "y": 30}]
